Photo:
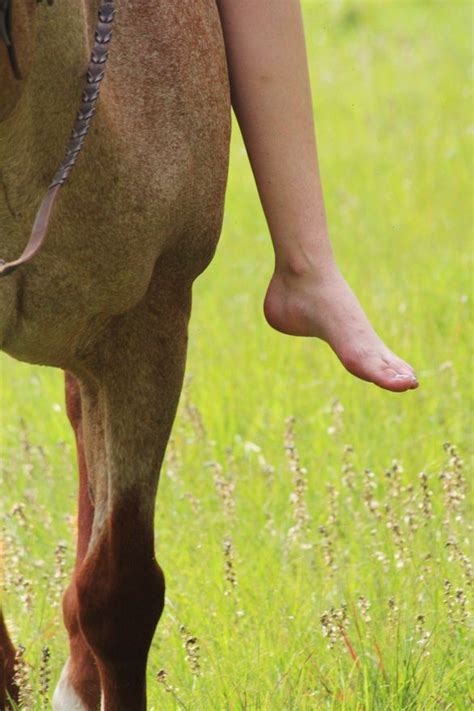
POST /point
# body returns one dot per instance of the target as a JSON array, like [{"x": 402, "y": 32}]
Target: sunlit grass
[{"x": 303, "y": 573}]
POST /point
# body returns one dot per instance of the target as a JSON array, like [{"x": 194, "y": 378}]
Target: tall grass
[{"x": 314, "y": 530}]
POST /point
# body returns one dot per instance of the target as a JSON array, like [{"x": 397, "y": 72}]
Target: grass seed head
[
  {"x": 454, "y": 486},
  {"x": 370, "y": 501},
  {"x": 59, "y": 579},
  {"x": 333, "y": 624},
  {"x": 393, "y": 475},
  {"x": 328, "y": 548},
  {"x": 22, "y": 680},
  {"x": 425, "y": 505},
  {"x": 455, "y": 553},
  {"x": 225, "y": 487},
  {"x": 172, "y": 459},
  {"x": 191, "y": 647},
  {"x": 45, "y": 676},
  {"x": 161, "y": 678},
  {"x": 300, "y": 531},
  {"x": 401, "y": 554},
  {"x": 337, "y": 410},
  {"x": 193, "y": 414},
  {"x": 333, "y": 496},
  {"x": 423, "y": 635},
  {"x": 229, "y": 568},
  {"x": 392, "y": 612},
  {"x": 364, "y": 606},
  {"x": 348, "y": 471}
]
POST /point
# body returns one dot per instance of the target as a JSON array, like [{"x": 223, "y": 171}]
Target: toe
[
  {"x": 400, "y": 382},
  {"x": 404, "y": 367},
  {"x": 381, "y": 367},
  {"x": 396, "y": 378},
  {"x": 398, "y": 373}
]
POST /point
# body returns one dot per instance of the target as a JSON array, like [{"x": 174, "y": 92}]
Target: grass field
[{"x": 320, "y": 562}]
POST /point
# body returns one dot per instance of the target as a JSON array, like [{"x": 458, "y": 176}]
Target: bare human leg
[{"x": 271, "y": 96}]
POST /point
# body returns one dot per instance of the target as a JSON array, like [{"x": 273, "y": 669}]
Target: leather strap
[{"x": 87, "y": 108}]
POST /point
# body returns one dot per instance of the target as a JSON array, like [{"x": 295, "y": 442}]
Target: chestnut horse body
[{"x": 108, "y": 297}]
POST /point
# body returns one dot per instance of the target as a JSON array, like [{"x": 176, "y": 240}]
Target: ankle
[
  {"x": 305, "y": 266},
  {"x": 302, "y": 257}
]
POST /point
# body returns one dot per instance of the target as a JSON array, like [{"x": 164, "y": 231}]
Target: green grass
[{"x": 391, "y": 84}]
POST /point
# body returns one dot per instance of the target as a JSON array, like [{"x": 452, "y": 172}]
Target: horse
[{"x": 107, "y": 299}]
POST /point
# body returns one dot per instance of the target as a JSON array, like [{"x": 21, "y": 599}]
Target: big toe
[
  {"x": 398, "y": 382},
  {"x": 382, "y": 368},
  {"x": 395, "y": 374}
]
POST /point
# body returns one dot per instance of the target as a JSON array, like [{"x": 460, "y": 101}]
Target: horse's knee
[{"x": 120, "y": 593}]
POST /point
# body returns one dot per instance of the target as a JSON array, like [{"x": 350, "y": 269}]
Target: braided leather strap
[{"x": 87, "y": 108}]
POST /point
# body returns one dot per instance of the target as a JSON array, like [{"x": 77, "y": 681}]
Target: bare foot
[{"x": 323, "y": 305}]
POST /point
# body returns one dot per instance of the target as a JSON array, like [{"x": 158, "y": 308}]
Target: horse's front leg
[{"x": 120, "y": 587}]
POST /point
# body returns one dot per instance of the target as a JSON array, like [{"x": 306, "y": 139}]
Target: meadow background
[{"x": 320, "y": 562}]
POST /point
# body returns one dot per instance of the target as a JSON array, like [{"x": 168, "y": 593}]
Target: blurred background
[{"x": 321, "y": 561}]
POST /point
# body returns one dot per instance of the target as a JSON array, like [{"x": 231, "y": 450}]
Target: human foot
[{"x": 323, "y": 305}]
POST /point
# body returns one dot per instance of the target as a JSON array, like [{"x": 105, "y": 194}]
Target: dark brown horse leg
[
  {"x": 80, "y": 677},
  {"x": 120, "y": 586},
  {"x": 8, "y": 688}
]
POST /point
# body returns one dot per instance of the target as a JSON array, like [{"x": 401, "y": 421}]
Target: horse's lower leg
[
  {"x": 121, "y": 593},
  {"x": 8, "y": 687},
  {"x": 120, "y": 587},
  {"x": 80, "y": 677}
]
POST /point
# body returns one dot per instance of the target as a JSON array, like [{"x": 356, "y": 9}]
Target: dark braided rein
[{"x": 87, "y": 108}]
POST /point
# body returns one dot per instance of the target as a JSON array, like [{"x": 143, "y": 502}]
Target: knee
[{"x": 120, "y": 600}]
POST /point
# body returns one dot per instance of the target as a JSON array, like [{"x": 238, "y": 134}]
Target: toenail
[{"x": 402, "y": 376}]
